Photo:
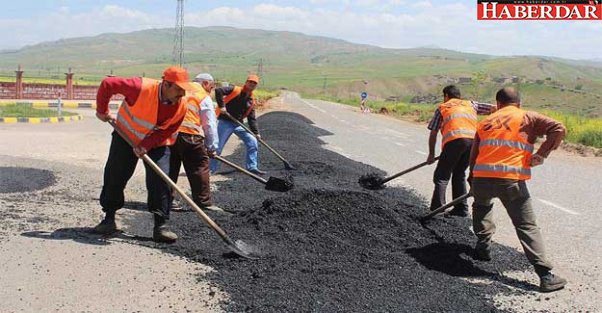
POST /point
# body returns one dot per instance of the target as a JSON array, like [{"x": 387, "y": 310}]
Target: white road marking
[
  {"x": 569, "y": 211},
  {"x": 313, "y": 106},
  {"x": 400, "y": 144},
  {"x": 421, "y": 152}
]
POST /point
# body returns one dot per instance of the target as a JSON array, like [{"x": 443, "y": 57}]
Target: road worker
[
  {"x": 197, "y": 141},
  {"x": 500, "y": 162},
  {"x": 149, "y": 116},
  {"x": 457, "y": 120},
  {"x": 238, "y": 103}
]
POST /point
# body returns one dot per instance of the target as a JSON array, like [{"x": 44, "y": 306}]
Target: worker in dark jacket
[{"x": 235, "y": 102}]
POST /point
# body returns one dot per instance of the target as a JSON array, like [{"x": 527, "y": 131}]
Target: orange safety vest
[
  {"x": 459, "y": 120},
  {"x": 192, "y": 121},
  {"x": 235, "y": 93},
  {"x": 503, "y": 152},
  {"x": 140, "y": 119}
]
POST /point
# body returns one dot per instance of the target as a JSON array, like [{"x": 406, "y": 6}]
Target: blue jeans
[{"x": 224, "y": 131}]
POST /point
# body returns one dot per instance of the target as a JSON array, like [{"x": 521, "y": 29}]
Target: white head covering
[{"x": 203, "y": 77}]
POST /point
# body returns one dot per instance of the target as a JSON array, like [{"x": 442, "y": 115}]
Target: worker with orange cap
[
  {"x": 149, "y": 116},
  {"x": 238, "y": 103}
]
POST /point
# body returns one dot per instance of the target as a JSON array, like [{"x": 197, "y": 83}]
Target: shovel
[
  {"x": 272, "y": 184},
  {"x": 445, "y": 206},
  {"x": 287, "y": 165},
  {"x": 374, "y": 181},
  {"x": 237, "y": 247}
]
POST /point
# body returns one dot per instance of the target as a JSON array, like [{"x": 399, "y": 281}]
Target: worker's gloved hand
[
  {"x": 139, "y": 151},
  {"x": 105, "y": 117},
  {"x": 536, "y": 160},
  {"x": 258, "y": 136},
  {"x": 430, "y": 159},
  {"x": 211, "y": 153},
  {"x": 226, "y": 114}
]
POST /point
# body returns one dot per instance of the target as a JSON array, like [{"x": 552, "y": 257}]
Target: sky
[{"x": 449, "y": 24}]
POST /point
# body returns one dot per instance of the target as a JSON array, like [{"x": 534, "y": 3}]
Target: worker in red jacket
[{"x": 149, "y": 116}]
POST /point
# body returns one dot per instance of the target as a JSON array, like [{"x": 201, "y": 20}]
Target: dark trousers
[
  {"x": 515, "y": 197},
  {"x": 190, "y": 151},
  {"x": 453, "y": 163},
  {"x": 119, "y": 169}
]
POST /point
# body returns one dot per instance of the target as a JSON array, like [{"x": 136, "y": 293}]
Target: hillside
[{"x": 318, "y": 65}]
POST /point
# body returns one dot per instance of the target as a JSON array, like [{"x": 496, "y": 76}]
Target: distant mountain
[{"x": 310, "y": 64}]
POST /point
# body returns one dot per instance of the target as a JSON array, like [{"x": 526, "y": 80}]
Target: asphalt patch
[
  {"x": 25, "y": 179},
  {"x": 331, "y": 246}
]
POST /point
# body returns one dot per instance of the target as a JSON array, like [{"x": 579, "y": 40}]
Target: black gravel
[
  {"x": 331, "y": 246},
  {"x": 24, "y": 179}
]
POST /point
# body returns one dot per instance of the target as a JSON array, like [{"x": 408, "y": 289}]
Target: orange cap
[
  {"x": 179, "y": 76},
  {"x": 253, "y": 78}
]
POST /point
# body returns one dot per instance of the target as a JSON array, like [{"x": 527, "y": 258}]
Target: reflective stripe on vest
[
  {"x": 500, "y": 168},
  {"x": 465, "y": 134},
  {"x": 139, "y": 120},
  {"x": 507, "y": 143},
  {"x": 503, "y": 152},
  {"x": 235, "y": 93},
  {"x": 459, "y": 120},
  {"x": 192, "y": 123}
]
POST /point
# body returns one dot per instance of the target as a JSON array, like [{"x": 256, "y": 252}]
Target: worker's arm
[
  {"x": 537, "y": 125},
  {"x": 209, "y": 122},
  {"x": 128, "y": 87},
  {"x": 474, "y": 153},
  {"x": 472, "y": 159},
  {"x": 434, "y": 126},
  {"x": 483, "y": 108},
  {"x": 220, "y": 92},
  {"x": 432, "y": 143},
  {"x": 167, "y": 128}
]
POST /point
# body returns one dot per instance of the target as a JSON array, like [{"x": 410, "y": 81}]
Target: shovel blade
[
  {"x": 241, "y": 249},
  {"x": 279, "y": 184},
  {"x": 371, "y": 181},
  {"x": 288, "y": 166}
]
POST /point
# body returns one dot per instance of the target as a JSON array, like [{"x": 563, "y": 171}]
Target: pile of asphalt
[{"x": 329, "y": 245}]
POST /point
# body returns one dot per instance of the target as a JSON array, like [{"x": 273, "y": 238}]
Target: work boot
[
  {"x": 174, "y": 206},
  {"x": 550, "y": 282},
  {"x": 106, "y": 227},
  {"x": 161, "y": 232},
  {"x": 214, "y": 208},
  {"x": 482, "y": 253},
  {"x": 257, "y": 171},
  {"x": 458, "y": 212}
]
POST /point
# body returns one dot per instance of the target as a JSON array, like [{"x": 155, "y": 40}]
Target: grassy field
[
  {"x": 19, "y": 110},
  {"x": 580, "y": 129}
]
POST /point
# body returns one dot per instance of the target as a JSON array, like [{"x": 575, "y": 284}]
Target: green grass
[
  {"x": 414, "y": 112},
  {"x": 580, "y": 129},
  {"x": 20, "y": 110}
]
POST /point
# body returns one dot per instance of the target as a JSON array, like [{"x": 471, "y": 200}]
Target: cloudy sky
[{"x": 450, "y": 24}]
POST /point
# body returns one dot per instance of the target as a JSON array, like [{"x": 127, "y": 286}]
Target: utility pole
[
  {"x": 324, "y": 85},
  {"x": 260, "y": 69},
  {"x": 178, "y": 43}
]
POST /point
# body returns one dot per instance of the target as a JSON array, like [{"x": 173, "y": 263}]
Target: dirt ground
[{"x": 326, "y": 246}]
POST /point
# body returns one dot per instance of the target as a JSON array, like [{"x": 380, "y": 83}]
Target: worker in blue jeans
[{"x": 235, "y": 102}]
